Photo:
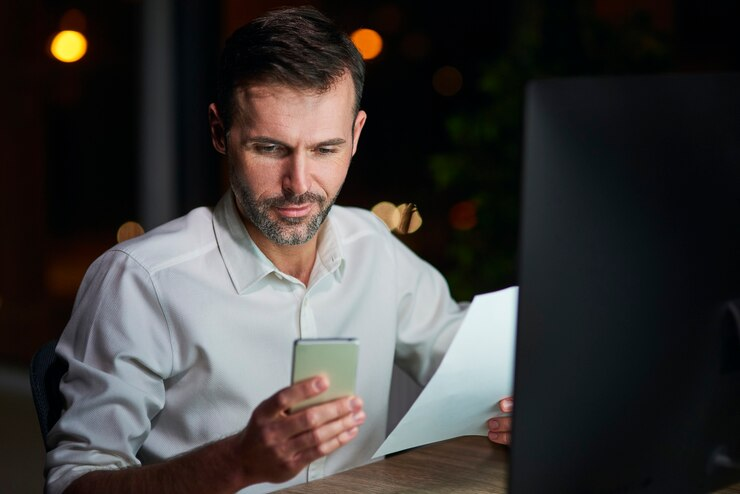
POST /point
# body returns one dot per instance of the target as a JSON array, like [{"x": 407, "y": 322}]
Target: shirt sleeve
[
  {"x": 118, "y": 347},
  {"x": 428, "y": 316}
]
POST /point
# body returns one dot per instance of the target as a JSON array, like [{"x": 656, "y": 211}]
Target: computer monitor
[{"x": 627, "y": 373}]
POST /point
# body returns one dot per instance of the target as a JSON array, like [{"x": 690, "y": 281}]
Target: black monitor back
[{"x": 627, "y": 373}]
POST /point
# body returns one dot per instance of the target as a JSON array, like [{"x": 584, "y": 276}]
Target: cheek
[
  {"x": 249, "y": 178},
  {"x": 331, "y": 179}
]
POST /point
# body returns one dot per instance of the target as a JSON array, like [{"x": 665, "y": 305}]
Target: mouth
[{"x": 294, "y": 210}]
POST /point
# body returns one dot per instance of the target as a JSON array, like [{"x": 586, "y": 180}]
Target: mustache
[{"x": 305, "y": 198}]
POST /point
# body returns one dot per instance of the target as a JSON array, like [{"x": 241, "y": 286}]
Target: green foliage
[{"x": 484, "y": 165}]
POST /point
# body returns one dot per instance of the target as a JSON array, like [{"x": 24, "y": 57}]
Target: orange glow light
[
  {"x": 464, "y": 215},
  {"x": 68, "y": 46},
  {"x": 368, "y": 42},
  {"x": 447, "y": 81}
]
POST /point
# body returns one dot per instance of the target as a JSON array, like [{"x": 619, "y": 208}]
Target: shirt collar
[
  {"x": 245, "y": 262},
  {"x": 329, "y": 255}
]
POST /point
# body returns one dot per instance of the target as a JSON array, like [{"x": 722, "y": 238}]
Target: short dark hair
[{"x": 295, "y": 46}]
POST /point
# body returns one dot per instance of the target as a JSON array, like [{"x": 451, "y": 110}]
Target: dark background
[{"x": 71, "y": 134}]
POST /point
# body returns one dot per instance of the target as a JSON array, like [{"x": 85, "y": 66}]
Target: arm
[
  {"x": 274, "y": 447},
  {"x": 499, "y": 428}
]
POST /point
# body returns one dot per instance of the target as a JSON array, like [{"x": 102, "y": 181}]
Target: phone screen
[{"x": 336, "y": 358}]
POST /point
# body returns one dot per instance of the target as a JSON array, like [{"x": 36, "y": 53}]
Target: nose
[{"x": 295, "y": 177}]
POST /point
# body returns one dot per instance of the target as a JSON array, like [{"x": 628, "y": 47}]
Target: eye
[
  {"x": 265, "y": 148},
  {"x": 326, "y": 150},
  {"x": 269, "y": 149}
]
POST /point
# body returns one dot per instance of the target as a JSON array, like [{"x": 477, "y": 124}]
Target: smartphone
[{"x": 336, "y": 358}]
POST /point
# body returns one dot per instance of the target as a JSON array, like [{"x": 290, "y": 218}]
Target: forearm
[{"x": 213, "y": 468}]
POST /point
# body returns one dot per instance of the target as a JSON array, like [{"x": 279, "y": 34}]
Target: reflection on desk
[{"x": 469, "y": 464}]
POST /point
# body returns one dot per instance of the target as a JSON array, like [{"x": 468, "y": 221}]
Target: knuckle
[
  {"x": 268, "y": 435},
  {"x": 315, "y": 436},
  {"x": 325, "y": 448},
  {"x": 282, "y": 401},
  {"x": 312, "y": 418}
]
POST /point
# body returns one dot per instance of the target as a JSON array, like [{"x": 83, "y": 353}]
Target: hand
[
  {"x": 276, "y": 444},
  {"x": 499, "y": 428}
]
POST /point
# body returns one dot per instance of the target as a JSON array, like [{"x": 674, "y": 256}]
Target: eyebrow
[{"x": 269, "y": 140}]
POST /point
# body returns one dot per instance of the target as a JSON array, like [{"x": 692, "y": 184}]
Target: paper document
[{"x": 476, "y": 372}]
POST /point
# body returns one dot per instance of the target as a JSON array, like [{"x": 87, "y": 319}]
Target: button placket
[{"x": 307, "y": 319}]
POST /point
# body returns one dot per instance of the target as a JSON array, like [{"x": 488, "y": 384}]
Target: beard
[{"x": 282, "y": 230}]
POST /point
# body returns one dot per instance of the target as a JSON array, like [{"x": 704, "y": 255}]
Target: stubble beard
[{"x": 283, "y": 230}]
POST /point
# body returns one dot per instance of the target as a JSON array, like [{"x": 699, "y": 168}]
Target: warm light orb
[
  {"x": 410, "y": 219},
  {"x": 68, "y": 46},
  {"x": 464, "y": 215},
  {"x": 447, "y": 81},
  {"x": 368, "y": 42},
  {"x": 129, "y": 230}
]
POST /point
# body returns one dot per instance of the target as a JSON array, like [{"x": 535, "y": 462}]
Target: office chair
[{"x": 46, "y": 371}]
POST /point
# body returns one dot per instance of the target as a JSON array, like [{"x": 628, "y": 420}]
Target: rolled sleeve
[{"x": 118, "y": 347}]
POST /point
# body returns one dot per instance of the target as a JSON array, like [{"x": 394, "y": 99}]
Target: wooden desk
[{"x": 465, "y": 465}]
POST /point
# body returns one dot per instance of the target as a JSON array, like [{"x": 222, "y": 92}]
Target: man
[{"x": 180, "y": 342}]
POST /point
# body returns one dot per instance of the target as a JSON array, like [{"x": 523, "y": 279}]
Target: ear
[
  {"x": 218, "y": 134},
  {"x": 359, "y": 124}
]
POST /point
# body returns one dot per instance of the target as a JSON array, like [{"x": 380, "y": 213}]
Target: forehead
[{"x": 278, "y": 105}]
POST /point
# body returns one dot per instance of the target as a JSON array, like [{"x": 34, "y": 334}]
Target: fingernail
[
  {"x": 320, "y": 384},
  {"x": 507, "y": 404},
  {"x": 355, "y": 404},
  {"x": 359, "y": 418},
  {"x": 493, "y": 424},
  {"x": 493, "y": 436}
]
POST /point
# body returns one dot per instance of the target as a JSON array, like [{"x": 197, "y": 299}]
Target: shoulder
[
  {"x": 362, "y": 234},
  {"x": 183, "y": 238},
  {"x": 354, "y": 222}
]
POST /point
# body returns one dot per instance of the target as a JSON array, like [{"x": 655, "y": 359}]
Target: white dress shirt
[{"x": 177, "y": 335}]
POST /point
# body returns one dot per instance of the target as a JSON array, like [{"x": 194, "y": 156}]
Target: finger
[
  {"x": 500, "y": 424},
  {"x": 507, "y": 404},
  {"x": 329, "y": 436},
  {"x": 314, "y": 417},
  {"x": 500, "y": 437},
  {"x": 286, "y": 398},
  {"x": 329, "y": 430},
  {"x": 326, "y": 447}
]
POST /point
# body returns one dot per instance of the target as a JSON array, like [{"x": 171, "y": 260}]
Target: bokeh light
[
  {"x": 69, "y": 46},
  {"x": 464, "y": 215},
  {"x": 410, "y": 219},
  {"x": 403, "y": 219},
  {"x": 447, "y": 81},
  {"x": 368, "y": 42},
  {"x": 128, "y": 230}
]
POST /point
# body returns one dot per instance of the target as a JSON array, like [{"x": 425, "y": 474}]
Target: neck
[{"x": 295, "y": 260}]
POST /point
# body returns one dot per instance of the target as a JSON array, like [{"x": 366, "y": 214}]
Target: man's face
[{"x": 289, "y": 153}]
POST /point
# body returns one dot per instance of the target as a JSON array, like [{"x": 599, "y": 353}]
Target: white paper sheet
[{"x": 476, "y": 372}]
